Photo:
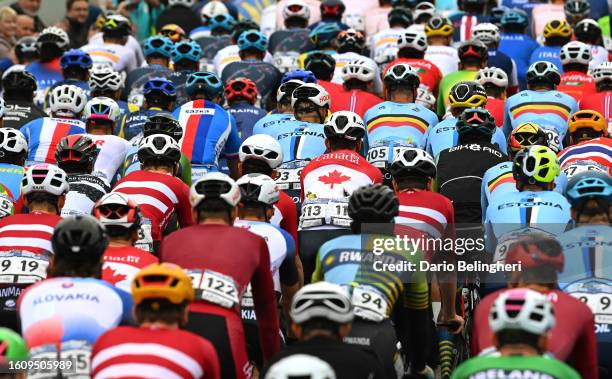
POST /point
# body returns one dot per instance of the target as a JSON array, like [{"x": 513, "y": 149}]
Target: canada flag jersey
[
  {"x": 336, "y": 175},
  {"x": 122, "y": 263}
]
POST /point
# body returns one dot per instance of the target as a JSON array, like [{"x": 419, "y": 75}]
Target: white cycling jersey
[
  {"x": 112, "y": 151},
  {"x": 85, "y": 191},
  {"x": 385, "y": 40},
  {"x": 229, "y": 54},
  {"x": 132, "y": 43},
  {"x": 599, "y": 55},
  {"x": 445, "y": 57},
  {"x": 120, "y": 57}
]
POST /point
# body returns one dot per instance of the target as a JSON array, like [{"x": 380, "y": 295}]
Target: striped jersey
[
  {"x": 598, "y": 150},
  {"x": 464, "y": 24},
  {"x": 119, "y": 57},
  {"x": 208, "y": 130},
  {"x": 153, "y": 352},
  {"x": 354, "y": 100},
  {"x": 407, "y": 122},
  {"x": 31, "y": 232},
  {"x": 44, "y": 134},
  {"x": 426, "y": 211},
  {"x": 159, "y": 196}
]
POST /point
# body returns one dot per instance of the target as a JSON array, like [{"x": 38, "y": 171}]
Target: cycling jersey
[
  {"x": 230, "y": 54},
  {"x": 600, "y": 102},
  {"x": 599, "y": 55},
  {"x": 19, "y": 113},
  {"x": 199, "y": 32},
  {"x": 500, "y": 60},
  {"x": 336, "y": 175},
  {"x": 112, "y": 151},
  {"x": 85, "y": 191},
  {"x": 285, "y": 214},
  {"x": 44, "y": 134},
  {"x": 134, "y": 122},
  {"x": 496, "y": 108},
  {"x": 376, "y": 18},
  {"x": 354, "y": 100},
  {"x": 519, "y": 47},
  {"x": 31, "y": 232},
  {"x": 300, "y": 140},
  {"x": 577, "y": 84},
  {"x": 179, "y": 79},
  {"x": 543, "y": 13},
  {"x": 446, "y": 58},
  {"x": 464, "y": 23},
  {"x": 246, "y": 116},
  {"x": 122, "y": 263},
  {"x": 220, "y": 280},
  {"x": 10, "y": 180},
  {"x": 342, "y": 59},
  {"x": 572, "y": 339},
  {"x": 514, "y": 366},
  {"x": 427, "y": 211},
  {"x": 266, "y": 76},
  {"x": 598, "y": 150},
  {"x": 286, "y": 40},
  {"x": 429, "y": 74},
  {"x": 407, "y": 122},
  {"x": 208, "y": 130},
  {"x": 385, "y": 42},
  {"x": 444, "y": 135},
  {"x": 136, "y": 79},
  {"x": 46, "y": 74},
  {"x": 132, "y": 43},
  {"x": 447, "y": 83},
  {"x": 125, "y": 109},
  {"x": 270, "y": 121},
  {"x": 211, "y": 44},
  {"x": 549, "y": 54},
  {"x": 119, "y": 57},
  {"x": 159, "y": 196},
  {"x": 155, "y": 352}
]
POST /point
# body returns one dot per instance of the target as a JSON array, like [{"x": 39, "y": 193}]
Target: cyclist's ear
[
  {"x": 297, "y": 330},
  {"x": 345, "y": 329}
]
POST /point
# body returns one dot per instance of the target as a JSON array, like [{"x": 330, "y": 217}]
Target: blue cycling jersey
[
  {"x": 499, "y": 59},
  {"x": 407, "y": 122},
  {"x": 246, "y": 116},
  {"x": 300, "y": 140},
  {"x": 46, "y": 74},
  {"x": 444, "y": 136},
  {"x": 269, "y": 123},
  {"x": 134, "y": 122},
  {"x": 547, "y": 53},
  {"x": 10, "y": 180},
  {"x": 519, "y": 47}
]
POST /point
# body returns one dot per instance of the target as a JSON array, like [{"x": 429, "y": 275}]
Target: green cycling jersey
[{"x": 514, "y": 367}]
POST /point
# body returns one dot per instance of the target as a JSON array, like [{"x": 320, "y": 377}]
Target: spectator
[
  {"x": 8, "y": 27},
  {"x": 25, "y": 26},
  {"x": 144, "y": 15},
  {"x": 179, "y": 12},
  {"x": 75, "y": 23},
  {"x": 30, "y": 8}
]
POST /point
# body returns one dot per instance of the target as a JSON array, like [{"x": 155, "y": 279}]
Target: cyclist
[
  {"x": 473, "y": 13},
  {"x": 159, "y": 95},
  {"x": 19, "y": 108},
  {"x": 398, "y": 117},
  {"x": 323, "y": 66},
  {"x": 576, "y": 11},
  {"x": 75, "y": 66},
  {"x": 602, "y": 100},
  {"x": 495, "y": 82},
  {"x": 210, "y": 10},
  {"x": 439, "y": 31},
  {"x": 14, "y": 151},
  {"x": 575, "y": 81},
  {"x": 541, "y": 104},
  {"x": 174, "y": 32},
  {"x": 572, "y": 339},
  {"x": 473, "y": 56},
  {"x": 157, "y": 52},
  {"x": 66, "y": 104},
  {"x": 51, "y": 43},
  {"x": 556, "y": 34},
  {"x": 241, "y": 95},
  {"x": 186, "y": 57},
  {"x": 359, "y": 78},
  {"x": 26, "y": 51},
  {"x": 209, "y": 130},
  {"x": 521, "y": 320},
  {"x": 214, "y": 314},
  {"x": 384, "y": 43},
  {"x": 294, "y": 37},
  {"x": 331, "y": 13},
  {"x": 159, "y": 155},
  {"x": 542, "y": 14},
  {"x": 73, "y": 296},
  {"x": 283, "y": 107},
  {"x": 463, "y": 96},
  {"x": 221, "y": 27},
  {"x": 350, "y": 45},
  {"x": 76, "y": 155},
  {"x": 162, "y": 294},
  {"x": 15, "y": 349},
  {"x": 121, "y": 217},
  {"x": 259, "y": 194},
  {"x": 515, "y": 42},
  {"x": 104, "y": 82},
  {"x": 323, "y": 38},
  {"x": 113, "y": 50},
  {"x": 322, "y": 315},
  {"x": 589, "y": 32}
]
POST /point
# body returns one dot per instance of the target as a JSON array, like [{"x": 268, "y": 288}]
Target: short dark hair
[
  {"x": 80, "y": 268},
  {"x": 412, "y": 182},
  {"x": 320, "y": 323},
  {"x": 150, "y": 310},
  {"x": 215, "y": 208},
  {"x": 256, "y": 166},
  {"x": 70, "y": 3},
  {"x": 512, "y": 337},
  {"x": 337, "y": 143}
]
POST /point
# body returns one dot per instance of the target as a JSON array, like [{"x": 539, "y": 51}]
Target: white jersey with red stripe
[
  {"x": 598, "y": 150},
  {"x": 153, "y": 352},
  {"x": 43, "y": 135},
  {"x": 426, "y": 211},
  {"x": 336, "y": 175},
  {"x": 30, "y": 232},
  {"x": 112, "y": 151}
]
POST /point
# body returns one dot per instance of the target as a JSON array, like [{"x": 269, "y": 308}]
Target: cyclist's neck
[
  {"x": 43, "y": 208},
  {"x": 160, "y": 325},
  {"x": 159, "y": 171},
  {"x": 120, "y": 243},
  {"x": 518, "y": 350}
]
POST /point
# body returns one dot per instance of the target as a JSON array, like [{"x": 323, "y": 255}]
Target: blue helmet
[
  {"x": 160, "y": 84},
  {"x": 189, "y": 50},
  {"x": 76, "y": 58},
  {"x": 299, "y": 74},
  {"x": 324, "y": 34},
  {"x": 516, "y": 17},
  {"x": 206, "y": 82},
  {"x": 589, "y": 185},
  {"x": 223, "y": 21},
  {"x": 253, "y": 39},
  {"x": 159, "y": 45}
]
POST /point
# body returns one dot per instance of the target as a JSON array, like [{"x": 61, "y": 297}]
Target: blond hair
[{"x": 6, "y": 12}]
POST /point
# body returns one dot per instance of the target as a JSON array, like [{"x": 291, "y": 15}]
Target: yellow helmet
[
  {"x": 162, "y": 281},
  {"x": 587, "y": 119},
  {"x": 526, "y": 134},
  {"x": 439, "y": 26},
  {"x": 557, "y": 28},
  {"x": 467, "y": 95}
]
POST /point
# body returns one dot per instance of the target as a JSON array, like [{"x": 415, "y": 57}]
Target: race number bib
[
  {"x": 554, "y": 142},
  {"x": 198, "y": 171},
  {"x": 369, "y": 303},
  {"x": 379, "y": 156},
  {"x": 215, "y": 288},
  {"x": 76, "y": 353},
  {"x": 508, "y": 239},
  {"x": 288, "y": 175},
  {"x": 599, "y": 303},
  {"x": 582, "y": 166},
  {"x": 321, "y": 212},
  {"x": 21, "y": 267},
  {"x": 247, "y": 298},
  {"x": 145, "y": 236}
]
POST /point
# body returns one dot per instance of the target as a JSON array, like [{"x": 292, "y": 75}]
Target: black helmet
[
  {"x": 576, "y": 10},
  {"x": 243, "y": 26},
  {"x": 400, "y": 16},
  {"x": 413, "y": 162},
  {"x": 79, "y": 236},
  {"x": 587, "y": 31},
  {"x": 543, "y": 72},
  {"x": 467, "y": 95},
  {"x": 26, "y": 48},
  {"x": 163, "y": 123},
  {"x": 19, "y": 80},
  {"x": 332, "y": 8},
  {"x": 318, "y": 59},
  {"x": 76, "y": 149},
  {"x": 375, "y": 202},
  {"x": 477, "y": 121},
  {"x": 117, "y": 25},
  {"x": 473, "y": 48}
]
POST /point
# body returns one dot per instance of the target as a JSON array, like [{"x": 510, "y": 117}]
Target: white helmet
[
  {"x": 312, "y": 92},
  {"x": 425, "y": 98},
  {"x": 44, "y": 177},
  {"x": 363, "y": 69},
  {"x": 7, "y": 208},
  {"x": 117, "y": 209},
  {"x": 67, "y": 100},
  {"x": 212, "y": 9},
  {"x": 2, "y": 107},
  {"x": 103, "y": 108},
  {"x": 493, "y": 75},
  {"x": 522, "y": 309},
  {"x": 321, "y": 300},
  {"x": 424, "y": 8},
  {"x": 413, "y": 161},
  {"x": 214, "y": 185},
  {"x": 575, "y": 52},
  {"x": 258, "y": 188},
  {"x": 386, "y": 55},
  {"x": 354, "y": 21},
  {"x": 345, "y": 124},
  {"x": 187, "y": 3},
  {"x": 286, "y": 61},
  {"x": 12, "y": 141},
  {"x": 55, "y": 35},
  {"x": 301, "y": 366},
  {"x": 262, "y": 147},
  {"x": 159, "y": 146},
  {"x": 296, "y": 8},
  {"x": 287, "y": 87},
  {"x": 105, "y": 78},
  {"x": 602, "y": 72},
  {"x": 413, "y": 40},
  {"x": 486, "y": 33}
]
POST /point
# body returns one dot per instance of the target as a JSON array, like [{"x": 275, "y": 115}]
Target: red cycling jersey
[
  {"x": 285, "y": 215},
  {"x": 153, "y": 352},
  {"x": 429, "y": 73},
  {"x": 121, "y": 263},
  {"x": 334, "y": 90},
  {"x": 577, "y": 84},
  {"x": 232, "y": 257},
  {"x": 571, "y": 340},
  {"x": 600, "y": 102},
  {"x": 496, "y": 108},
  {"x": 336, "y": 175},
  {"x": 357, "y": 101},
  {"x": 159, "y": 196},
  {"x": 31, "y": 232}
]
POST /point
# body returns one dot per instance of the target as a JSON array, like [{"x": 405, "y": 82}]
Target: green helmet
[
  {"x": 14, "y": 346},
  {"x": 535, "y": 165}
]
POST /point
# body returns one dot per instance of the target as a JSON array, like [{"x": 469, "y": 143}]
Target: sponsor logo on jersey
[
  {"x": 301, "y": 132},
  {"x": 527, "y": 204},
  {"x": 66, "y": 297},
  {"x": 208, "y": 111},
  {"x": 399, "y": 120},
  {"x": 558, "y": 109}
]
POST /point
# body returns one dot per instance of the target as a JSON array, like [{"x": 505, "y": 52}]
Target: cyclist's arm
[
  {"x": 183, "y": 207},
  {"x": 584, "y": 355},
  {"x": 232, "y": 145},
  {"x": 210, "y": 364},
  {"x": 289, "y": 275},
  {"x": 317, "y": 274}
]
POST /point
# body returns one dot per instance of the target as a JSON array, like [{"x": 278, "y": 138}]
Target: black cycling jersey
[
  {"x": 290, "y": 40},
  {"x": 265, "y": 76},
  {"x": 19, "y": 113},
  {"x": 212, "y": 44},
  {"x": 136, "y": 79},
  {"x": 180, "y": 15}
]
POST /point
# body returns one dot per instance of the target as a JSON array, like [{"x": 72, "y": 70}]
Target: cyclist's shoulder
[
  {"x": 350, "y": 241},
  {"x": 498, "y": 169}
]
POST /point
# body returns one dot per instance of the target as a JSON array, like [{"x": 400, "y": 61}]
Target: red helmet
[
  {"x": 77, "y": 148},
  {"x": 536, "y": 251},
  {"x": 242, "y": 87}
]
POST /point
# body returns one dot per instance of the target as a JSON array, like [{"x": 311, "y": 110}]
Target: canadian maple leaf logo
[
  {"x": 111, "y": 275},
  {"x": 333, "y": 178}
]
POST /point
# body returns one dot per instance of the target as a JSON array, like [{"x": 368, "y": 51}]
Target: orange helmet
[
  {"x": 588, "y": 119},
  {"x": 162, "y": 281},
  {"x": 174, "y": 32}
]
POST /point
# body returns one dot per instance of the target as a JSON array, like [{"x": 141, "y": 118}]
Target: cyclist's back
[
  {"x": 598, "y": 150},
  {"x": 112, "y": 151},
  {"x": 354, "y": 100},
  {"x": 300, "y": 140},
  {"x": 121, "y": 263},
  {"x": 44, "y": 134},
  {"x": 444, "y": 135},
  {"x": 18, "y": 113},
  {"x": 600, "y": 102},
  {"x": 133, "y": 122},
  {"x": 429, "y": 74},
  {"x": 531, "y": 366},
  {"x": 518, "y": 46},
  {"x": 427, "y": 211},
  {"x": 246, "y": 116},
  {"x": 578, "y": 85},
  {"x": 85, "y": 191},
  {"x": 269, "y": 122},
  {"x": 266, "y": 76},
  {"x": 446, "y": 58},
  {"x": 294, "y": 39},
  {"x": 30, "y": 232},
  {"x": 547, "y": 53},
  {"x": 120, "y": 57}
]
